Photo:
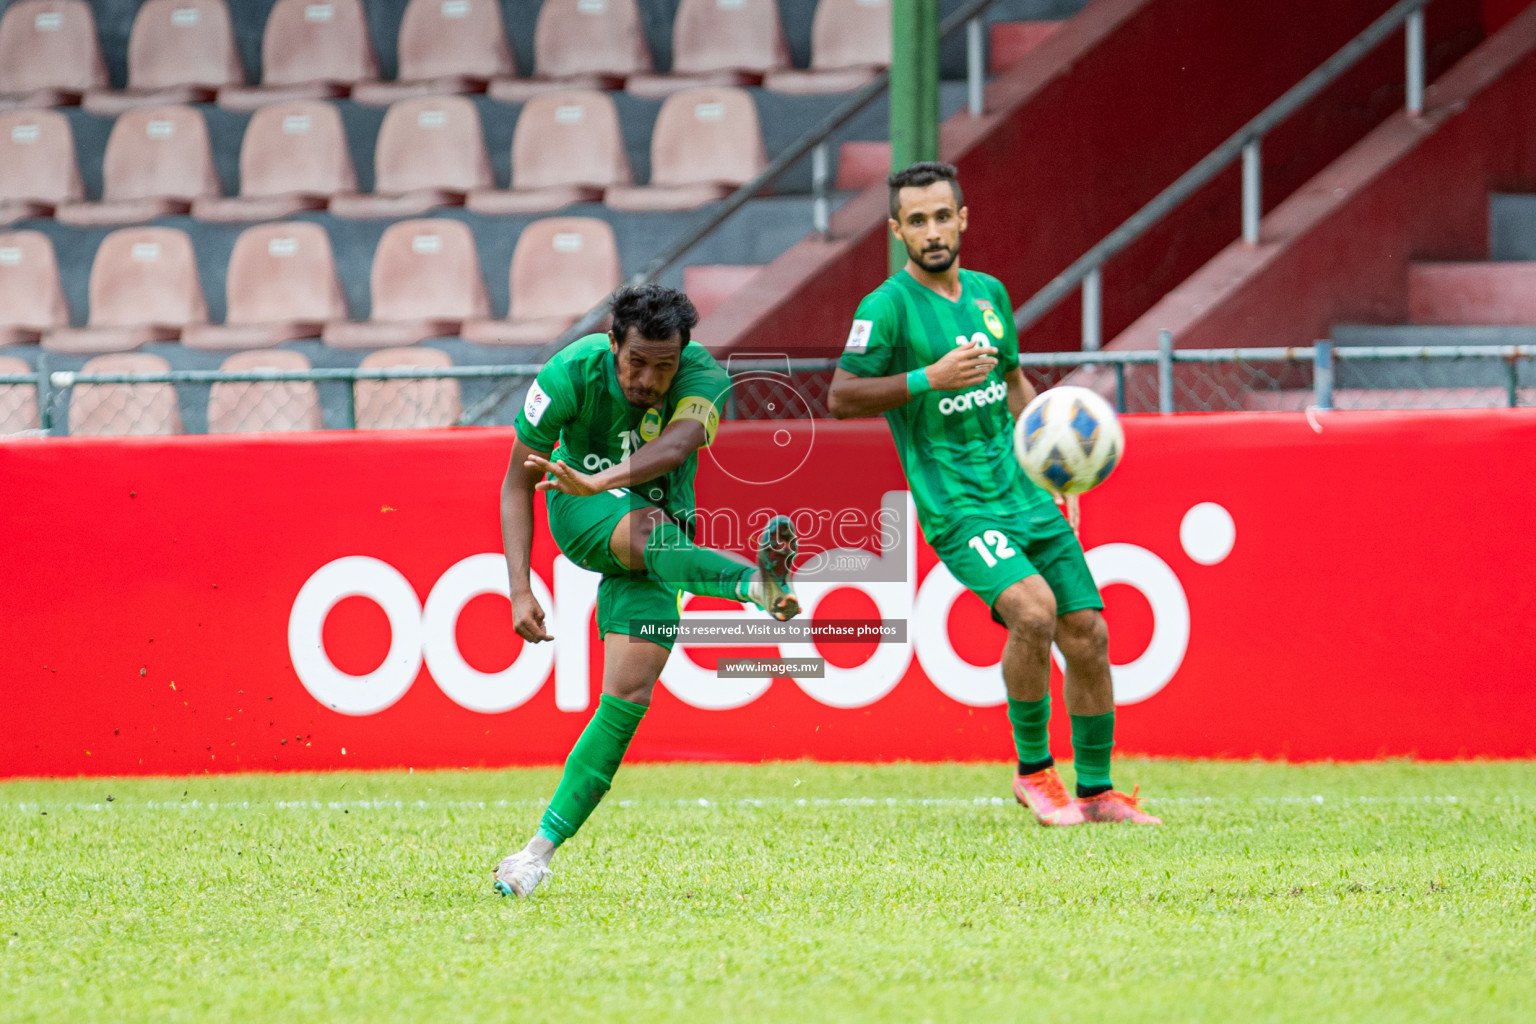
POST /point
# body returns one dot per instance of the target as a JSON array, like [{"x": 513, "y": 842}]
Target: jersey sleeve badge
[
  {"x": 535, "y": 404},
  {"x": 858, "y": 337}
]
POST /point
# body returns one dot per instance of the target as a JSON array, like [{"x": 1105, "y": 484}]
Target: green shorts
[
  {"x": 583, "y": 528},
  {"x": 989, "y": 556}
]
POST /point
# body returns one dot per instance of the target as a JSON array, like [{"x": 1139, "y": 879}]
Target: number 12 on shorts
[{"x": 997, "y": 542}]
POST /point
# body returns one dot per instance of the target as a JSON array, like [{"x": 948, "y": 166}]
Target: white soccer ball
[{"x": 1068, "y": 440}]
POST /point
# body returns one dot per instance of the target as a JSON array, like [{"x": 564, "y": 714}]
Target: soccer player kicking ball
[
  {"x": 934, "y": 349},
  {"x": 629, "y": 411}
]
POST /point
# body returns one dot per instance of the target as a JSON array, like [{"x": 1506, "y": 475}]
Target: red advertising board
[{"x": 1348, "y": 585}]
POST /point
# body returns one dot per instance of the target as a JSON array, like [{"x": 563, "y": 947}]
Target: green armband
[{"x": 917, "y": 382}]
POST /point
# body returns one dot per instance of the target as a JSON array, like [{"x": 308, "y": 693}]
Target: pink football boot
[
  {"x": 1116, "y": 808},
  {"x": 1043, "y": 793}
]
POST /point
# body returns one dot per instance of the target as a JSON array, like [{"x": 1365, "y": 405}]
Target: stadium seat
[
  {"x": 1009, "y": 42},
  {"x": 446, "y": 46},
  {"x": 1493, "y": 294},
  {"x": 561, "y": 267},
  {"x": 143, "y": 288},
  {"x": 581, "y": 44},
  {"x": 281, "y": 285},
  {"x": 180, "y": 51},
  {"x": 567, "y": 148},
  {"x": 138, "y": 410},
  {"x": 293, "y": 157},
  {"x": 708, "y": 286},
  {"x": 861, "y": 164},
  {"x": 705, "y": 144},
  {"x": 244, "y": 407},
  {"x": 157, "y": 161},
  {"x": 406, "y": 404},
  {"x": 48, "y": 53},
  {"x": 719, "y": 42},
  {"x": 37, "y": 164},
  {"x": 31, "y": 295},
  {"x": 425, "y": 282},
  {"x": 430, "y": 152},
  {"x": 850, "y": 43},
  {"x": 18, "y": 402},
  {"x": 309, "y": 51}
]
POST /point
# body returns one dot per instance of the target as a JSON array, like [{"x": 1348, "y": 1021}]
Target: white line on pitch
[{"x": 701, "y": 803}]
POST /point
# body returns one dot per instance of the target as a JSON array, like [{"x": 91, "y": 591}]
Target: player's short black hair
[
  {"x": 921, "y": 175},
  {"x": 656, "y": 311}
]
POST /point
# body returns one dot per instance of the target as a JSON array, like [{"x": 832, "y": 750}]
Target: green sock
[
  {"x": 589, "y": 768},
  {"x": 1031, "y": 739},
  {"x": 683, "y": 565},
  {"x": 1093, "y": 737}
]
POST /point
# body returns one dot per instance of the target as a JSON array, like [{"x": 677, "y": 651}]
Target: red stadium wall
[
  {"x": 1498, "y": 13},
  {"x": 1088, "y": 128},
  {"x": 152, "y": 612},
  {"x": 1339, "y": 250}
]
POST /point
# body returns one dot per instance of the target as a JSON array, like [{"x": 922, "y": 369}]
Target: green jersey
[
  {"x": 955, "y": 446},
  {"x": 576, "y": 409}
]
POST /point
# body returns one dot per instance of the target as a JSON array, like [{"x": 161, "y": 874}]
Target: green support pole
[{"x": 914, "y": 90}]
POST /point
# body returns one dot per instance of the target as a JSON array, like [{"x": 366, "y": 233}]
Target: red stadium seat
[
  {"x": 294, "y": 157},
  {"x": 309, "y": 51},
  {"x": 31, "y": 296},
  {"x": 581, "y": 44},
  {"x": 850, "y": 43},
  {"x": 425, "y": 282},
  {"x": 406, "y": 404},
  {"x": 48, "y": 53},
  {"x": 1496, "y": 294},
  {"x": 430, "y": 152},
  {"x": 18, "y": 402},
  {"x": 705, "y": 144},
  {"x": 710, "y": 285},
  {"x": 567, "y": 148},
  {"x": 562, "y": 267},
  {"x": 719, "y": 42},
  {"x": 1009, "y": 42},
  {"x": 446, "y": 46},
  {"x": 124, "y": 409},
  {"x": 180, "y": 51},
  {"x": 281, "y": 285},
  {"x": 157, "y": 161},
  {"x": 143, "y": 288},
  {"x": 37, "y": 164},
  {"x": 862, "y": 164},
  {"x": 243, "y": 407}
]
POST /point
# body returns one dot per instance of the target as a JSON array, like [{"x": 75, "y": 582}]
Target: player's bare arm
[
  {"x": 517, "y": 489},
  {"x": 656, "y": 458},
  {"x": 1020, "y": 391},
  {"x": 965, "y": 366}
]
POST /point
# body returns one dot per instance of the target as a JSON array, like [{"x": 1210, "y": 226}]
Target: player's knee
[
  {"x": 644, "y": 523},
  {"x": 639, "y": 526},
  {"x": 1083, "y": 636},
  {"x": 634, "y": 691},
  {"x": 1030, "y": 620}
]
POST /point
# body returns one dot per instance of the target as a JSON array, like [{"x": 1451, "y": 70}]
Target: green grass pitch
[{"x": 798, "y": 892}]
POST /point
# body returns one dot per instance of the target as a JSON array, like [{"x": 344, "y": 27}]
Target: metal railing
[
  {"x": 1087, "y": 271},
  {"x": 1321, "y": 376},
  {"x": 814, "y": 142}
]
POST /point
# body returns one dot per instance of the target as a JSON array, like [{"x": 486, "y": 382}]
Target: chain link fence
[{"x": 60, "y": 403}]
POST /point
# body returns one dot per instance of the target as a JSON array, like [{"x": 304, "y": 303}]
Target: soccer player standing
[
  {"x": 610, "y": 432},
  {"x": 934, "y": 349}
]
